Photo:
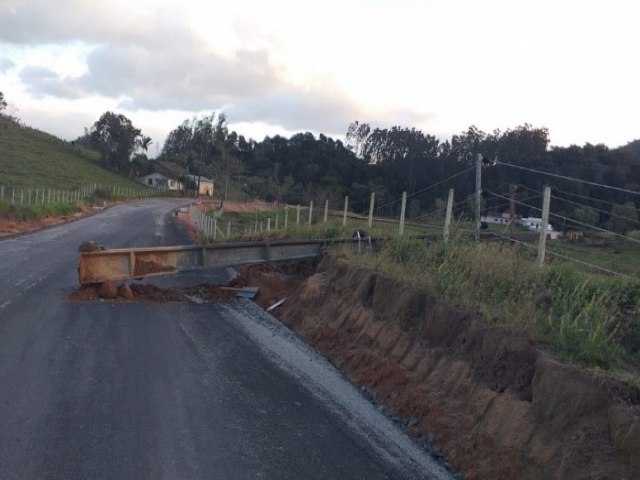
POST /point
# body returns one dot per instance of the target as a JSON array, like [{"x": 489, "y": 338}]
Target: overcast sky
[{"x": 283, "y": 66}]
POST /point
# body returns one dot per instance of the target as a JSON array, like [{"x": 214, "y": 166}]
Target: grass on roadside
[
  {"x": 25, "y": 213},
  {"x": 582, "y": 317}
]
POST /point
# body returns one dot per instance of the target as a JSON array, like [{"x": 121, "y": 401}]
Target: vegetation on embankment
[
  {"x": 31, "y": 158},
  {"x": 581, "y": 317},
  {"x": 25, "y": 213}
]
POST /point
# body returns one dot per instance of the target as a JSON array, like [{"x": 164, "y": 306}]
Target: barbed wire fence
[
  {"x": 23, "y": 196},
  {"x": 300, "y": 218}
]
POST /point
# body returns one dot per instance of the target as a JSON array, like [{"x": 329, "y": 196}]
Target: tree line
[{"x": 388, "y": 161}]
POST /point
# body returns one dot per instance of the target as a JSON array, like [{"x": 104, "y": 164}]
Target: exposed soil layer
[
  {"x": 275, "y": 281},
  {"x": 497, "y": 406},
  {"x": 138, "y": 292}
]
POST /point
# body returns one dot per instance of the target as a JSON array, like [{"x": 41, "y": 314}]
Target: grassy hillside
[{"x": 33, "y": 159}]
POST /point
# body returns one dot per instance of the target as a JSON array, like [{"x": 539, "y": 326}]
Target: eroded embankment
[{"x": 497, "y": 406}]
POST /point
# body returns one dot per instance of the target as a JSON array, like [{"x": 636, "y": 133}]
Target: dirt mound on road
[
  {"x": 138, "y": 292},
  {"x": 497, "y": 406}
]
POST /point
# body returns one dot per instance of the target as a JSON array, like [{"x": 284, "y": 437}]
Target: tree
[
  {"x": 116, "y": 139},
  {"x": 143, "y": 142},
  {"x": 3, "y": 103},
  {"x": 586, "y": 215},
  {"x": 623, "y": 218}
]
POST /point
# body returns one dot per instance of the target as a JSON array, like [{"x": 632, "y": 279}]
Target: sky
[{"x": 284, "y": 66}]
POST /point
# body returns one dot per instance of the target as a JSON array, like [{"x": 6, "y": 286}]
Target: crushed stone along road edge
[{"x": 327, "y": 383}]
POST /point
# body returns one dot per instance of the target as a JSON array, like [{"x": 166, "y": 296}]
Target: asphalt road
[{"x": 171, "y": 391}]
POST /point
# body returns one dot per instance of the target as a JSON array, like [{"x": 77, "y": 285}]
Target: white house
[
  {"x": 154, "y": 180},
  {"x": 496, "y": 218},
  {"x": 534, "y": 223}
]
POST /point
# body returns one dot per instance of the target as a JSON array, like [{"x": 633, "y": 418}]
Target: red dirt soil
[
  {"x": 11, "y": 227},
  {"x": 497, "y": 406},
  {"x": 275, "y": 281},
  {"x": 150, "y": 293}
]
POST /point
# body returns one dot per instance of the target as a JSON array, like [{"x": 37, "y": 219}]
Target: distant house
[
  {"x": 154, "y": 180},
  {"x": 496, "y": 218},
  {"x": 206, "y": 184},
  {"x": 533, "y": 223},
  {"x": 173, "y": 173}
]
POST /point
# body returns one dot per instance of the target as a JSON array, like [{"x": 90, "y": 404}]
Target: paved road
[{"x": 170, "y": 391}]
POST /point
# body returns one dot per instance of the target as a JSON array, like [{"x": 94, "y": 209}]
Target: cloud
[
  {"x": 5, "y": 65},
  {"x": 41, "y": 81},
  {"x": 149, "y": 59}
]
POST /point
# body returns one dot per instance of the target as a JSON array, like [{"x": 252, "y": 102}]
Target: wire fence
[{"x": 52, "y": 196}]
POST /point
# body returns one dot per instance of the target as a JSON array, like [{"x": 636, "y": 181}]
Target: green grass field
[{"x": 32, "y": 159}]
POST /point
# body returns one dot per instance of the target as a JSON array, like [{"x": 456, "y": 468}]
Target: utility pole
[
  {"x": 478, "y": 194},
  {"x": 512, "y": 207},
  {"x": 226, "y": 188},
  {"x": 344, "y": 214},
  {"x": 371, "y": 204},
  {"x": 402, "y": 212},
  {"x": 542, "y": 245},
  {"x": 447, "y": 218}
]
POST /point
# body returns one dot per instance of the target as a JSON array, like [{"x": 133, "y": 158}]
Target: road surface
[{"x": 168, "y": 391}]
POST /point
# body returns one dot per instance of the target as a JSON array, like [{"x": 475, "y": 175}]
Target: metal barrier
[{"x": 137, "y": 263}]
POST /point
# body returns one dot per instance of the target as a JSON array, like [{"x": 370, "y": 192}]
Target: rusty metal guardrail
[{"x": 136, "y": 263}]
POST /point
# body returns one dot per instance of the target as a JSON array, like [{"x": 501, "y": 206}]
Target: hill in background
[{"x": 31, "y": 158}]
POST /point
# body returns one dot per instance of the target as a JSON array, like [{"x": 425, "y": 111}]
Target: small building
[
  {"x": 206, "y": 184},
  {"x": 534, "y": 223},
  {"x": 173, "y": 172},
  {"x": 496, "y": 218},
  {"x": 154, "y": 180}
]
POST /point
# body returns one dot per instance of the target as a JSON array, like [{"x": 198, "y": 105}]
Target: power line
[
  {"x": 572, "y": 179},
  {"x": 560, "y": 255},
  {"x": 441, "y": 182},
  {"x": 597, "y": 210},
  {"x": 578, "y": 222},
  {"x": 583, "y": 196},
  {"x": 417, "y": 192},
  {"x": 516, "y": 201},
  {"x": 595, "y": 228}
]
